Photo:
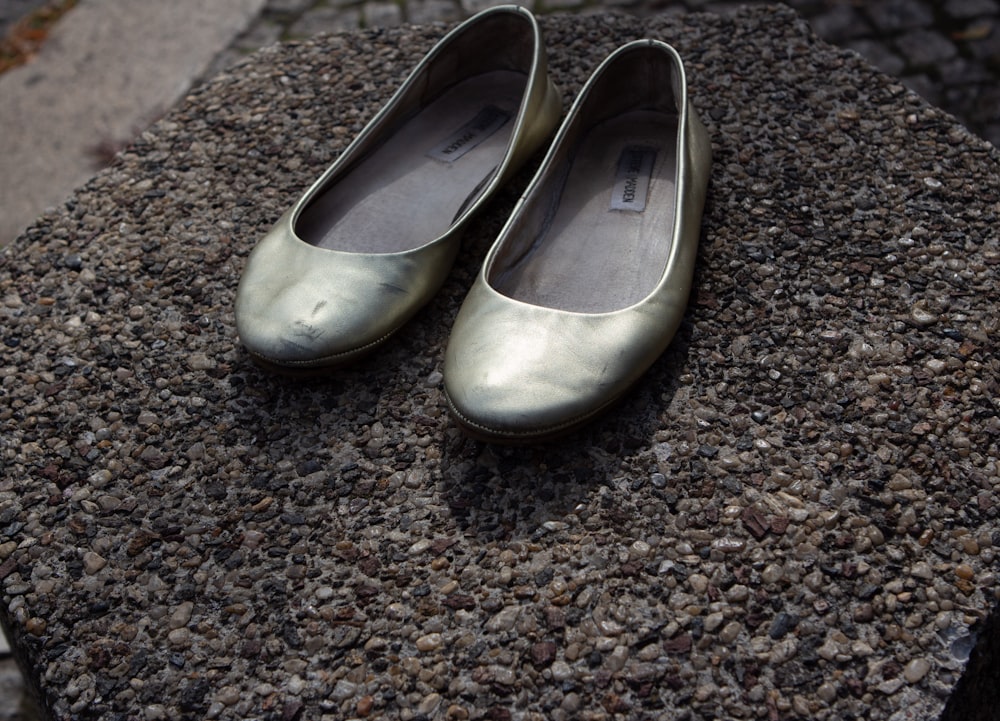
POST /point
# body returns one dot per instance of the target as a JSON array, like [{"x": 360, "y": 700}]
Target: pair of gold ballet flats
[{"x": 588, "y": 280}]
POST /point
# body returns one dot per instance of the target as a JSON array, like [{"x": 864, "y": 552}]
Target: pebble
[
  {"x": 430, "y": 642},
  {"x": 344, "y": 690},
  {"x": 93, "y": 562},
  {"x": 730, "y": 632},
  {"x": 916, "y": 669}
]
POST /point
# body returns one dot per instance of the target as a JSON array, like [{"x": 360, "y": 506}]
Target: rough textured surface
[
  {"x": 793, "y": 516},
  {"x": 110, "y": 69}
]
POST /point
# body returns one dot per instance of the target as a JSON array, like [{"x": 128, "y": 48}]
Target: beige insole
[
  {"x": 408, "y": 191},
  {"x": 596, "y": 255}
]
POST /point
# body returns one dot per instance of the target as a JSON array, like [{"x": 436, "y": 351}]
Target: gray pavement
[
  {"x": 113, "y": 66},
  {"x": 107, "y": 70}
]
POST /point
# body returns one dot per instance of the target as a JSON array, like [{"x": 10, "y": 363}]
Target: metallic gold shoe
[
  {"x": 373, "y": 239},
  {"x": 588, "y": 280}
]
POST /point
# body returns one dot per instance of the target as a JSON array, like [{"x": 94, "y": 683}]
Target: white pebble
[
  {"x": 916, "y": 670},
  {"x": 430, "y": 642}
]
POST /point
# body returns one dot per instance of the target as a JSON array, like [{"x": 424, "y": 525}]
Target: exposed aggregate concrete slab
[{"x": 793, "y": 516}]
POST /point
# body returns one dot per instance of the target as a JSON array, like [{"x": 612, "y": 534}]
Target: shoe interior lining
[
  {"x": 404, "y": 194},
  {"x": 591, "y": 253}
]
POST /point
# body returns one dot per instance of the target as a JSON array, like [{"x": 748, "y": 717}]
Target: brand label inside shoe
[
  {"x": 487, "y": 121},
  {"x": 635, "y": 166}
]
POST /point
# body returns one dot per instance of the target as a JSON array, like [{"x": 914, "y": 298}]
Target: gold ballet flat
[
  {"x": 374, "y": 237},
  {"x": 588, "y": 280}
]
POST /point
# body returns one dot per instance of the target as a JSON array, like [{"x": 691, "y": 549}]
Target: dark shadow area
[{"x": 977, "y": 695}]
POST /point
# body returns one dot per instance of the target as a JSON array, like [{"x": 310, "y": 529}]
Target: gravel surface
[{"x": 793, "y": 516}]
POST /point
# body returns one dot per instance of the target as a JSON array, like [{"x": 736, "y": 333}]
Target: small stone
[
  {"x": 916, "y": 669},
  {"x": 430, "y": 642},
  {"x": 181, "y": 615},
  {"x": 561, "y": 671},
  {"x": 730, "y": 632},
  {"x": 964, "y": 571},
  {"x": 429, "y": 704},
  {"x": 228, "y": 695},
  {"x": 504, "y": 676},
  {"x": 504, "y": 620},
  {"x": 200, "y": 362},
  {"x": 615, "y": 661},
  {"x": 93, "y": 562},
  {"x": 784, "y": 651},
  {"x": 922, "y": 316},
  {"x": 891, "y": 686},
  {"x": 827, "y": 692},
  {"x": 713, "y": 621},
  {"x": 698, "y": 582},
  {"x": 179, "y": 637},
  {"x": 543, "y": 653},
  {"x": 738, "y": 593},
  {"x": 343, "y": 690},
  {"x": 772, "y": 573},
  {"x": 729, "y": 545},
  {"x": 782, "y": 624}
]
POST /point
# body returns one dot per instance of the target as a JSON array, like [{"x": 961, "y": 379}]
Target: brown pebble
[{"x": 364, "y": 705}]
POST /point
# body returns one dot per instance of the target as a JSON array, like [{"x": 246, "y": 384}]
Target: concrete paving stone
[
  {"x": 326, "y": 19},
  {"x": 968, "y": 9},
  {"x": 879, "y": 55},
  {"x": 381, "y": 14},
  {"x": 891, "y": 16},
  {"x": 924, "y": 48},
  {"x": 840, "y": 23},
  {"x": 698, "y": 5},
  {"x": 471, "y": 7},
  {"x": 987, "y": 48},
  {"x": 420, "y": 12},
  {"x": 11, "y": 11},
  {"x": 724, "y": 7},
  {"x": 623, "y": 5},
  {"x": 986, "y": 101},
  {"x": 112, "y": 70},
  {"x": 959, "y": 72},
  {"x": 15, "y": 703},
  {"x": 260, "y": 34},
  {"x": 924, "y": 86},
  {"x": 289, "y": 7},
  {"x": 562, "y": 5}
]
